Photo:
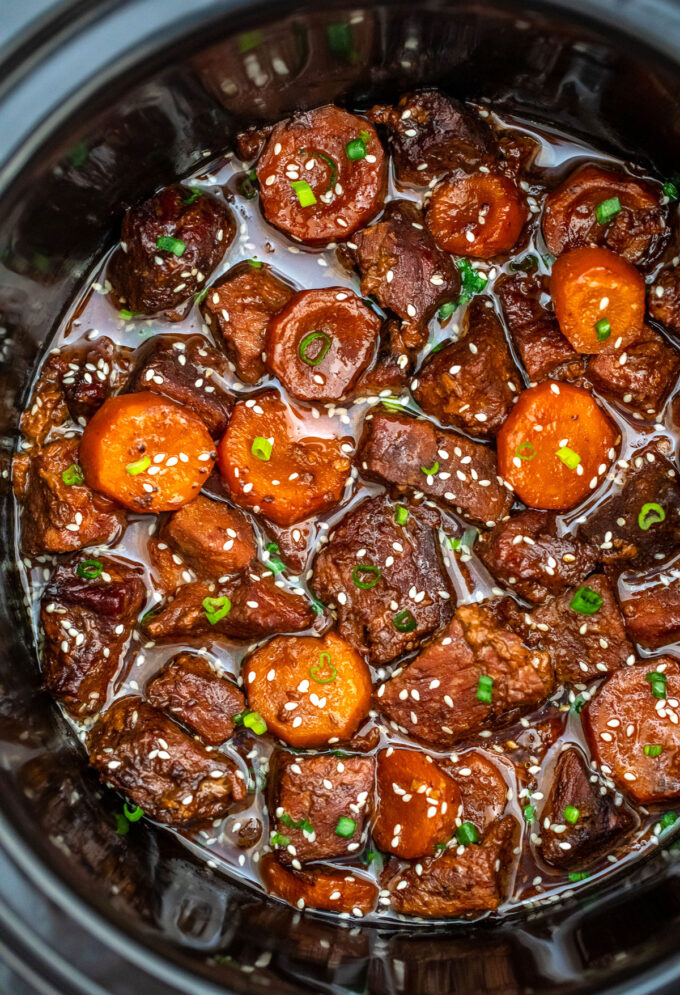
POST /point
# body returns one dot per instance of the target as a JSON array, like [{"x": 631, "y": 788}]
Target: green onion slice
[
  {"x": 650, "y": 514},
  {"x": 356, "y": 149},
  {"x": 400, "y": 514},
  {"x": 570, "y": 459},
  {"x": 90, "y": 569},
  {"x": 248, "y": 185},
  {"x": 304, "y": 193},
  {"x": 433, "y": 469},
  {"x": 368, "y": 582},
  {"x": 571, "y": 815},
  {"x": 255, "y": 263},
  {"x": 122, "y": 824},
  {"x": 261, "y": 448},
  {"x": 303, "y": 824},
  {"x": 279, "y": 840},
  {"x": 669, "y": 819},
  {"x": 330, "y": 162},
  {"x": 320, "y": 353},
  {"x": 671, "y": 190},
  {"x": 653, "y": 749},
  {"x": 252, "y": 721},
  {"x": 345, "y": 827},
  {"x": 446, "y": 310},
  {"x": 404, "y": 621},
  {"x": 575, "y": 876},
  {"x": 127, "y": 315},
  {"x": 658, "y": 680},
  {"x": 603, "y": 329},
  {"x": 216, "y": 608},
  {"x": 324, "y": 666},
  {"x": 139, "y": 466},
  {"x": 467, "y": 834},
  {"x": 485, "y": 689},
  {"x": 133, "y": 814},
  {"x": 193, "y": 196},
  {"x": 169, "y": 244},
  {"x": 529, "y": 811},
  {"x": 72, "y": 475},
  {"x": 586, "y": 601},
  {"x": 525, "y": 450},
  {"x": 607, "y": 209}
]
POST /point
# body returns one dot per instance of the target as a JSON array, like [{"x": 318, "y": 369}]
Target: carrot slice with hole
[
  {"x": 599, "y": 299},
  {"x": 477, "y": 214},
  {"x": 309, "y": 691},
  {"x": 333, "y": 889},
  {"x": 146, "y": 452},
  {"x": 556, "y": 446},
  {"x": 418, "y": 804},
  {"x": 273, "y": 466}
]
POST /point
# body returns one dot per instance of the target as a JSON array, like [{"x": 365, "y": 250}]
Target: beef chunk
[
  {"x": 169, "y": 246},
  {"x": 190, "y": 372},
  {"x": 141, "y": 752},
  {"x": 86, "y": 623},
  {"x": 640, "y": 376},
  {"x": 239, "y": 306},
  {"x": 393, "y": 365},
  {"x": 430, "y": 134},
  {"x": 625, "y": 716},
  {"x": 614, "y": 525},
  {"x": 403, "y": 579},
  {"x": 543, "y": 349},
  {"x": 483, "y": 788},
  {"x": 258, "y": 608},
  {"x": 435, "y": 697},
  {"x": 168, "y": 570},
  {"x": 214, "y": 538},
  {"x": 330, "y": 888},
  {"x": 398, "y": 449},
  {"x": 526, "y": 553},
  {"x": 290, "y": 545},
  {"x": 652, "y": 611},
  {"x": 581, "y": 646},
  {"x": 75, "y": 380},
  {"x": 403, "y": 269},
  {"x": 664, "y": 299},
  {"x": 460, "y": 882},
  {"x": 190, "y": 690},
  {"x": 60, "y": 517},
  {"x": 472, "y": 383},
  {"x": 308, "y": 798},
  {"x": 599, "y": 824}
]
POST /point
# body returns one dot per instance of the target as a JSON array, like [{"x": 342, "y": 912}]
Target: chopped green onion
[
  {"x": 139, "y": 466},
  {"x": 304, "y": 193},
  {"x": 366, "y": 568},
  {"x": 401, "y": 514},
  {"x": 303, "y": 824},
  {"x": 127, "y": 315},
  {"x": 529, "y": 812},
  {"x": 575, "y": 876},
  {"x": 404, "y": 621},
  {"x": 658, "y": 680},
  {"x": 466, "y": 834},
  {"x": 374, "y": 857},
  {"x": 473, "y": 281},
  {"x": 255, "y": 263},
  {"x": 272, "y": 547},
  {"x": 439, "y": 846},
  {"x": 525, "y": 450},
  {"x": 669, "y": 819},
  {"x": 305, "y": 343},
  {"x": 323, "y": 666},
  {"x": 446, "y": 310},
  {"x": 133, "y": 814},
  {"x": 252, "y": 721},
  {"x": 393, "y": 405},
  {"x": 568, "y": 457},
  {"x": 650, "y": 514},
  {"x": 72, "y": 475},
  {"x": 340, "y": 41},
  {"x": 78, "y": 155},
  {"x": 216, "y": 608},
  {"x": 345, "y": 827},
  {"x": 317, "y": 606},
  {"x": 90, "y": 569},
  {"x": 653, "y": 750},
  {"x": 603, "y": 329},
  {"x": 276, "y": 565},
  {"x": 248, "y": 185},
  {"x": 485, "y": 688},
  {"x": 201, "y": 295},
  {"x": 356, "y": 149},
  {"x": 327, "y": 159},
  {"x": 571, "y": 815},
  {"x": 366, "y": 136},
  {"x": 586, "y": 601},
  {"x": 169, "y": 244},
  {"x": 193, "y": 196},
  {"x": 279, "y": 840},
  {"x": 467, "y": 540},
  {"x": 526, "y": 264},
  {"x": 671, "y": 190},
  {"x": 454, "y": 543},
  {"x": 261, "y": 448},
  {"x": 433, "y": 469},
  {"x": 249, "y": 40},
  {"x": 577, "y": 704},
  {"x": 607, "y": 209},
  {"x": 122, "y": 825}
]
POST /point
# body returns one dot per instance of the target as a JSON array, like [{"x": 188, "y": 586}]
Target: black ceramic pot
[{"x": 100, "y": 103}]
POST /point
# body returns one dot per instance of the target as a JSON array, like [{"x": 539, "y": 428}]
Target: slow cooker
[{"x": 101, "y": 102}]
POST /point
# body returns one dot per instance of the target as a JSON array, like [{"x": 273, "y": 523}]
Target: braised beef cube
[
  {"x": 190, "y": 372},
  {"x": 168, "y": 569},
  {"x": 319, "y": 804},
  {"x": 401, "y": 267},
  {"x": 542, "y": 347},
  {"x": 386, "y": 579},
  {"x": 578, "y": 820},
  {"x": 393, "y": 365},
  {"x": 628, "y": 525},
  {"x": 257, "y": 608},
  {"x": 141, "y": 752},
  {"x": 60, "y": 513},
  {"x": 414, "y": 455},
  {"x": 664, "y": 299},
  {"x": 75, "y": 380},
  {"x": 86, "y": 615},
  {"x": 482, "y": 786},
  {"x": 472, "y": 383},
  {"x": 190, "y": 690},
  {"x": 238, "y": 307},
  {"x": 430, "y": 134},
  {"x": 633, "y": 731},
  {"x": 462, "y": 881},
  {"x": 169, "y": 246},
  {"x": 652, "y": 610},
  {"x": 473, "y": 675},
  {"x": 640, "y": 376},
  {"x": 583, "y": 640},
  {"x": 214, "y": 538},
  {"x": 526, "y": 553}
]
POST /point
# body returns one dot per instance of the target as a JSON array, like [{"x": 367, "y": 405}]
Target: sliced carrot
[
  {"x": 599, "y": 299},
  {"x": 477, "y": 214},
  {"x": 273, "y": 466},
  {"x": 332, "y": 889},
  {"x": 146, "y": 452},
  {"x": 418, "y": 804},
  {"x": 556, "y": 445},
  {"x": 309, "y": 691}
]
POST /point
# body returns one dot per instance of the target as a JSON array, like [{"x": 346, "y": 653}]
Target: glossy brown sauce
[{"x": 533, "y": 742}]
